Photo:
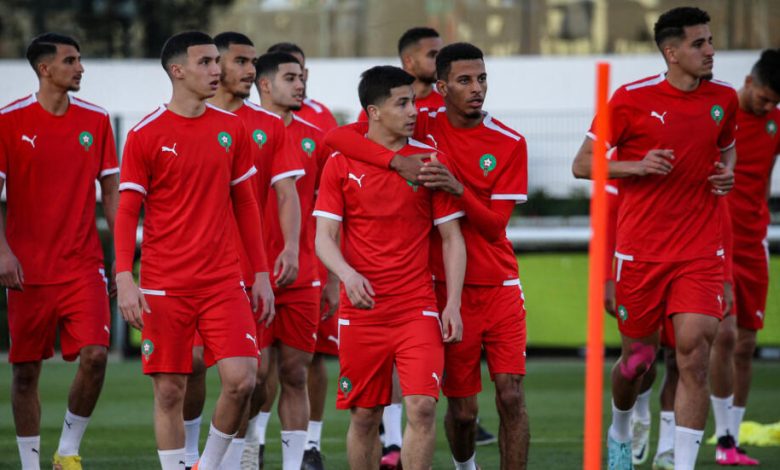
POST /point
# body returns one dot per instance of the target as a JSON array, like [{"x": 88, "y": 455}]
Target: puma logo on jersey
[
  {"x": 760, "y": 314},
  {"x": 29, "y": 140},
  {"x": 252, "y": 339},
  {"x": 170, "y": 149},
  {"x": 436, "y": 378},
  {"x": 105, "y": 327},
  {"x": 659, "y": 116},
  {"x": 720, "y": 300},
  {"x": 359, "y": 180}
]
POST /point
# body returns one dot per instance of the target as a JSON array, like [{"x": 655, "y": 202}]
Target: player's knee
[
  {"x": 239, "y": 387},
  {"x": 292, "y": 374},
  {"x": 169, "y": 394},
  {"x": 365, "y": 421},
  {"x": 726, "y": 339},
  {"x": 25, "y": 377},
  {"x": 93, "y": 359},
  {"x": 420, "y": 411},
  {"x": 744, "y": 349},
  {"x": 638, "y": 361},
  {"x": 464, "y": 414}
]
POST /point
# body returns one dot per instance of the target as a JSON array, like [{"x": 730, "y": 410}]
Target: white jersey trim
[
  {"x": 430, "y": 313},
  {"x": 730, "y": 146},
  {"x": 89, "y": 106},
  {"x": 245, "y": 176},
  {"x": 109, "y": 171},
  {"x": 261, "y": 109},
  {"x": 150, "y": 118},
  {"x": 133, "y": 187},
  {"x": 153, "y": 292},
  {"x": 447, "y": 218},
  {"x": 327, "y": 215},
  {"x": 488, "y": 122},
  {"x": 343, "y": 321},
  {"x": 418, "y": 144},
  {"x": 720, "y": 252},
  {"x": 21, "y": 104},
  {"x": 310, "y": 103},
  {"x": 590, "y": 135},
  {"x": 722, "y": 83},
  {"x": 298, "y": 174},
  {"x": 649, "y": 82},
  {"x": 316, "y": 283},
  {"x": 519, "y": 198},
  {"x": 209, "y": 105},
  {"x": 611, "y": 189},
  {"x": 304, "y": 121},
  {"x": 623, "y": 256},
  {"x": 2, "y": 175},
  {"x": 511, "y": 282}
]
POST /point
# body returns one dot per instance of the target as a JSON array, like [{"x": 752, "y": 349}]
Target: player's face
[
  {"x": 287, "y": 88},
  {"x": 64, "y": 68},
  {"x": 694, "y": 54},
  {"x": 238, "y": 69},
  {"x": 760, "y": 99},
  {"x": 422, "y": 60},
  {"x": 465, "y": 88},
  {"x": 398, "y": 114},
  {"x": 200, "y": 71}
]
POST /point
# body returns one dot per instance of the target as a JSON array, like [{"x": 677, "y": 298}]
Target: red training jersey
[
  {"x": 185, "y": 167},
  {"x": 758, "y": 143},
  {"x": 318, "y": 114},
  {"x": 50, "y": 164},
  {"x": 386, "y": 226},
  {"x": 671, "y": 217}
]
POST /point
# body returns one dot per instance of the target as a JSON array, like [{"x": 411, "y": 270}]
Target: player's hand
[
  {"x": 723, "y": 179},
  {"x": 11, "y": 274},
  {"x": 656, "y": 162},
  {"x": 359, "y": 291},
  {"x": 610, "y": 305},
  {"x": 408, "y": 167},
  {"x": 451, "y": 325},
  {"x": 330, "y": 297},
  {"x": 434, "y": 175},
  {"x": 263, "y": 297},
  {"x": 112, "y": 281},
  {"x": 131, "y": 300},
  {"x": 728, "y": 298},
  {"x": 286, "y": 267}
]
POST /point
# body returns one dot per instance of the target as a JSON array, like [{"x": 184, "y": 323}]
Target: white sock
[
  {"x": 686, "y": 447},
  {"x": 252, "y": 438},
  {"x": 469, "y": 464},
  {"x": 262, "y": 424},
  {"x": 191, "y": 438},
  {"x": 232, "y": 458},
  {"x": 314, "y": 434},
  {"x": 292, "y": 449},
  {"x": 721, "y": 408},
  {"x": 621, "y": 424},
  {"x": 666, "y": 432},
  {"x": 72, "y": 431},
  {"x": 737, "y": 414},
  {"x": 29, "y": 452},
  {"x": 172, "y": 459},
  {"x": 391, "y": 418},
  {"x": 215, "y": 448},
  {"x": 642, "y": 406}
]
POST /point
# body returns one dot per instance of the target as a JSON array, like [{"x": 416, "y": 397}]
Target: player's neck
[
  {"x": 422, "y": 89},
  {"x": 459, "y": 120},
  {"x": 383, "y": 137},
  {"x": 186, "y": 104},
  {"x": 53, "y": 99},
  {"x": 282, "y": 111},
  {"x": 226, "y": 100},
  {"x": 681, "y": 80},
  {"x": 743, "y": 100}
]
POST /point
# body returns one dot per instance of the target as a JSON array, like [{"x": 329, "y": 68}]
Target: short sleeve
[
  {"x": 243, "y": 164},
  {"x": 446, "y": 208},
  {"x": 109, "y": 165},
  {"x": 135, "y": 174},
  {"x": 512, "y": 183},
  {"x": 330, "y": 199},
  {"x": 728, "y": 130},
  {"x": 284, "y": 163},
  {"x": 619, "y": 120}
]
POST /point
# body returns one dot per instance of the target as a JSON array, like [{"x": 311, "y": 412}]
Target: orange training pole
[{"x": 594, "y": 366}]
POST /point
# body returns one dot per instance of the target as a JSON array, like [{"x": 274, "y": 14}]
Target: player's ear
[
  {"x": 263, "y": 85},
  {"x": 670, "y": 52},
  {"x": 372, "y": 111},
  {"x": 176, "y": 70},
  {"x": 406, "y": 61},
  {"x": 441, "y": 87}
]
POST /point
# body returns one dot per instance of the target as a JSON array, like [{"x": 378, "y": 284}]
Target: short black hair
[
  {"x": 46, "y": 45},
  {"x": 377, "y": 82},
  {"x": 412, "y": 36},
  {"x": 224, "y": 40},
  {"x": 268, "y": 64},
  {"x": 287, "y": 47},
  {"x": 672, "y": 23},
  {"x": 767, "y": 70},
  {"x": 178, "y": 44},
  {"x": 455, "y": 52}
]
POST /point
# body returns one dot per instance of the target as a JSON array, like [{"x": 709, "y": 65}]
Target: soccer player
[
  {"x": 758, "y": 145},
  {"x": 417, "y": 49},
  {"x": 294, "y": 331},
  {"x": 266, "y": 133},
  {"x": 53, "y": 145},
  {"x": 319, "y": 115},
  {"x": 190, "y": 166},
  {"x": 388, "y": 314},
  {"x": 489, "y": 161},
  {"x": 674, "y": 135}
]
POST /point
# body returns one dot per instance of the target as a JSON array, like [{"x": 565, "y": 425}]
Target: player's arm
[
  {"x": 655, "y": 162},
  {"x": 609, "y": 254},
  {"x": 330, "y": 295},
  {"x": 288, "y": 203},
  {"x": 109, "y": 193},
  {"x": 723, "y": 179},
  {"x": 130, "y": 299},
  {"x": 357, "y": 287},
  {"x": 11, "y": 274},
  {"x": 454, "y": 256}
]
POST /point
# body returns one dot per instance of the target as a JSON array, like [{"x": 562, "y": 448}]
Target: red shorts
[
  {"x": 751, "y": 286},
  {"x": 296, "y": 320},
  {"x": 198, "y": 341},
  {"x": 367, "y": 354},
  {"x": 646, "y": 292},
  {"x": 79, "y": 309},
  {"x": 328, "y": 336},
  {"x": 493, "y": 319},
  {"x": 223, "y": 319},
  {"x": 667, "y": 334}
]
